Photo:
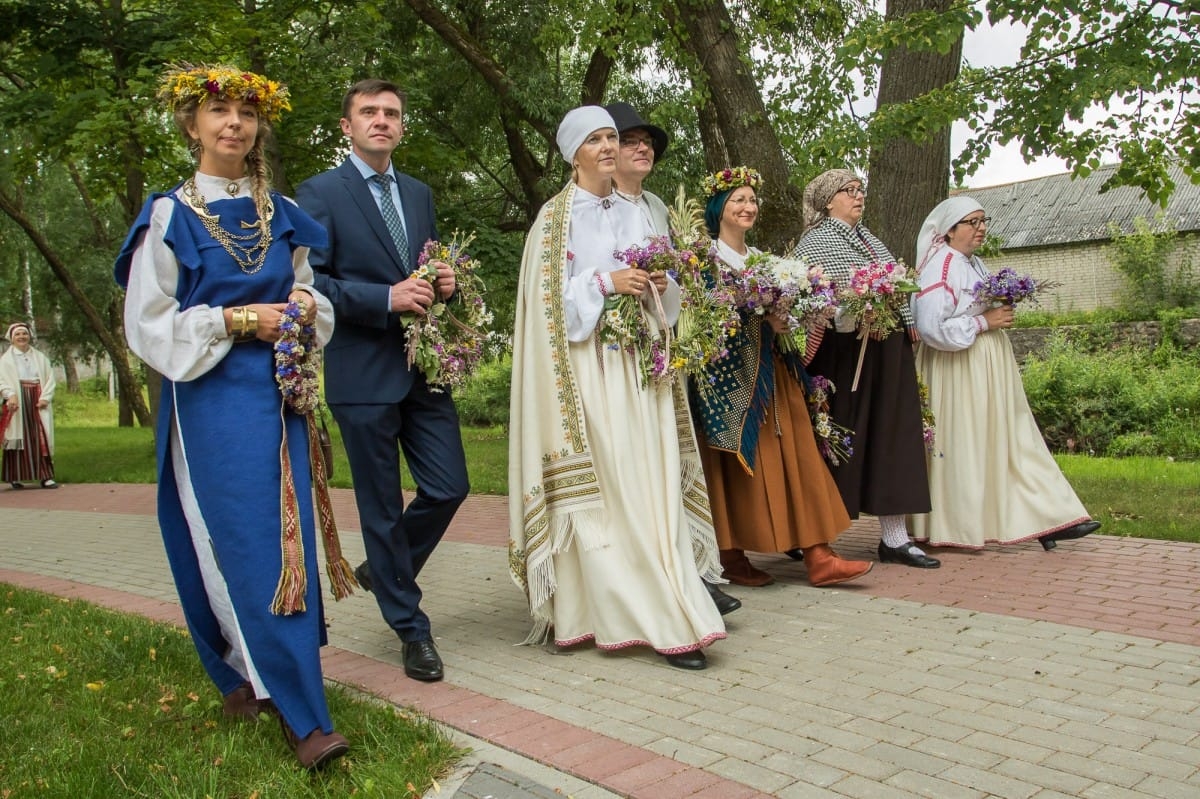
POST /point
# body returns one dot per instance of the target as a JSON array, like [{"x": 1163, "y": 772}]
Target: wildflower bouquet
[
  {"x": 785, "y": 287},
  {"x": 1006, "y": 287},
  {"x": 297, "y": 361},
  {"x": 297, "y": 366},
  {"x": 834, "y": 442},
  {"x": 706, "y": 321},
  {"x": 928, "y": 420},
  {"x": 874, "y": 297},
  {"x": 708, "y": 315},
  {"x": 446, "y": 347}
]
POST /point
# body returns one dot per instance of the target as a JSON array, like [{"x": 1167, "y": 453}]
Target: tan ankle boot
[
  {"x": 740, "y": 571},
  {"x": 826, "y": 568}
]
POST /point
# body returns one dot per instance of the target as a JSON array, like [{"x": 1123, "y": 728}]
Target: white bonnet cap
[
  {"x": 944, "y": 216},
  {"x": 577, "y": 125}
]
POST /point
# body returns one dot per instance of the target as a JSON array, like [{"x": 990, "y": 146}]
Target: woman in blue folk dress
[{"x": 210, "y": 268}]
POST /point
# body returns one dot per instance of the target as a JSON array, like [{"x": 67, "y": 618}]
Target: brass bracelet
[
  {"x": 251, "y": 324},
  {"x": 243, "y": 324}
]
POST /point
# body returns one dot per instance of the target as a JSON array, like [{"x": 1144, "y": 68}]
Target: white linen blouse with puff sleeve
[
  {"x": 184, "y": 344},
  {"x": 600, "y": 228},
  {"x": 948, "y": 315}
]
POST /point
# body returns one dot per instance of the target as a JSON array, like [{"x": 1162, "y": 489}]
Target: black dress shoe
[
  {"x": 688, "y": 660},
  {"x": 362, "y": 573},
  {"x": 795, "y": 553},
  {"x": 724, "y": 602},
  {"x": 909, "y": 555},
  {"x": 421, "y": 661},
  {"x": 1078, "y": 531}
]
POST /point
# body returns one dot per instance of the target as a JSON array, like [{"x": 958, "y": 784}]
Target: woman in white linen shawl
[
  {"x": 994, "y": 479},
  {"x": 610, "y": 526},
  {"x": 26, "y": 411}
]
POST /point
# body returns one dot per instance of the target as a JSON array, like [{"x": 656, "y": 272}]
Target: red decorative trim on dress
[
  {"x": 678, "y": 650},
  {"x": 1023, "y": 540}
]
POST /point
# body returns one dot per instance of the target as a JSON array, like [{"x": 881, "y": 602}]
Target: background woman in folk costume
[
  {"x": 996, "y": 480},
  {"x": 767, "y": 484},
  {"x": 885, "y": 475},
  {"x": 210, "y": 268},
  {"x": 609, "y": 519},
  {"x": 27, "y": 413}
]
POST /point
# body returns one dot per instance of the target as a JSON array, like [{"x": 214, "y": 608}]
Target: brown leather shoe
[
  {"x": 740, "y": 571},
  {"x": 317, "y": 749},
  {"x": 242, "y": 703},
  {"x": 826, "y": 568}
]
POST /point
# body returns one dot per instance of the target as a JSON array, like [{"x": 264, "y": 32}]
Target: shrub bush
[
  {"x": 483, "y": 401},
  {"x": 1121, "y": 402}
]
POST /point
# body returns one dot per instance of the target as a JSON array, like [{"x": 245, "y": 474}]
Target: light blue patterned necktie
[{"x": 391, "y": 217}]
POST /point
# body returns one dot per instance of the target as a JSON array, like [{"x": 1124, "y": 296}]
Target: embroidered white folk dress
[
  {"x": 624, "y": 567},
  {"x": 992, "y": 478}
]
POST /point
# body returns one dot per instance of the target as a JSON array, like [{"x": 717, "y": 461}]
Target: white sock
[{"x": 895, "y": 533}]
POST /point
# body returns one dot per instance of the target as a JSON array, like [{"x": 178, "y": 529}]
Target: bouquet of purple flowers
[
  {"x": 1006, "y": 287},
  {"x": 705, "y": 320},
  {"x": 445, "y": 346},
  {"x": 786, "y": 288}
]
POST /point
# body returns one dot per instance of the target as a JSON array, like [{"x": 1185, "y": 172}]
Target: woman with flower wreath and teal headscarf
[
  {"x": 216, "y": 272},
  {"x": 767, "y": 484}
]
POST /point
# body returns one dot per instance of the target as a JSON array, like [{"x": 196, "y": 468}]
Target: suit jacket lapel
[{"x": 360, "y": 192}]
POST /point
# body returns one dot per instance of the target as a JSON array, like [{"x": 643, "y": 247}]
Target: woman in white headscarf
[
  {"x": 995, "y": 481},
  {"x": 27, "y": 413},
  {"x": 610, "y": 526}
]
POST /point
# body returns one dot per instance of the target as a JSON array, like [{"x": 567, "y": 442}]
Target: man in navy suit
[{"x": 378, "y": 221}]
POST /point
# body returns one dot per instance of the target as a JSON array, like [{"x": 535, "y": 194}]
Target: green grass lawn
[
  {"x": 101, "y": 704},
  {"x": 1138, "y": 497}
]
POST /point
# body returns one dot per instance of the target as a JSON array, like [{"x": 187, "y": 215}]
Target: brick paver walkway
[{"x": 1009, "y": 673}]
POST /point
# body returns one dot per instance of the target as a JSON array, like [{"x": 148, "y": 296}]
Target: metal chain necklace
[{"x": 249, "y": 250}]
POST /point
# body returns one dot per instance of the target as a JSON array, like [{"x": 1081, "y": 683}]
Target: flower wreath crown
[
  {"x": 728, "y": 179},
  {"x": 184, "y": 83}
]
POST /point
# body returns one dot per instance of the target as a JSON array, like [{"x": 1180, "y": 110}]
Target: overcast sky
[{"x": 996, "y": 46}]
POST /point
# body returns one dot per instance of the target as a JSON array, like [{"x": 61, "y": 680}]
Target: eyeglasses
[
  {"x": 976, "y": 222},
  {"x": 853, "y": 191},
  {"x": 746, "y": 201},
  {"x": 633, "y": 142}
]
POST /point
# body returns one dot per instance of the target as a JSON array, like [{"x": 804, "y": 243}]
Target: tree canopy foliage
[{"x": 778, "y": 85}]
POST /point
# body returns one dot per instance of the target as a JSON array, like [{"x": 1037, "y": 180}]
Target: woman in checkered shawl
[{"x": 885, "y": 476}]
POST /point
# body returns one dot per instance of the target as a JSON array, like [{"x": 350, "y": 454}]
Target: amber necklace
[{"x": 249, "y": 250}]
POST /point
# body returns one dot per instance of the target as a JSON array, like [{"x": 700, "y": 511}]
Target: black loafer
[
  {"x": 362, "y": 573},
  {"x": 909, "y": 555},
  {"x": 795, "y": 553},
  {"x": 421, "y": 661},
  {"x": 694, "y": 660},
  {"x": 1078, "y": 531},
  {"x": 724, "y": 602}
]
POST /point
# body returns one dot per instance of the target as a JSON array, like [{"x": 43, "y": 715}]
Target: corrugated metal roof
[{"x": 1059, "y": 210}]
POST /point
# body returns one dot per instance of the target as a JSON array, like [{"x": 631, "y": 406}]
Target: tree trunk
[
  {"x": 907, "y": 178},
  {"x": 71, "y": 371},
  {"x": 743, "y": 133}
]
